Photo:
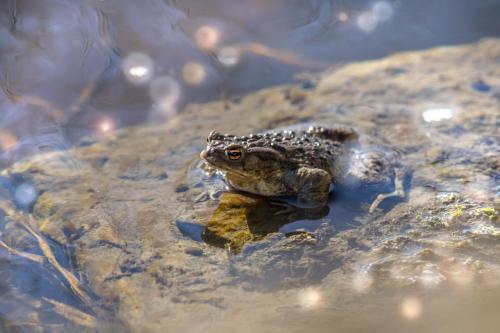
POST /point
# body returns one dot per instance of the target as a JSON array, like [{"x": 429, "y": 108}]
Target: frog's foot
[
  {"x": 398, "y": 190},
  {"x": 208, "y": 195}
]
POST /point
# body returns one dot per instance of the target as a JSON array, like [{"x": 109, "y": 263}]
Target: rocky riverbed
[{"x": 127, "y": 232}]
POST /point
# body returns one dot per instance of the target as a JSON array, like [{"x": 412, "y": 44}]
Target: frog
[{"x": 303, "y": 163}]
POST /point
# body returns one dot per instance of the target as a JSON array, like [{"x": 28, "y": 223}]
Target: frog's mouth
[
  {"x": 215, "y": 163},
  {"x": 204, "y": 155}
]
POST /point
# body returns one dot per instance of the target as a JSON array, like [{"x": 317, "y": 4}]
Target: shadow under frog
[{"x": 241, "y": 218}]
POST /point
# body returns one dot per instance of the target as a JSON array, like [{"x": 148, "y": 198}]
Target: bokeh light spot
[
  {"x": 193, "y": 73},
  {"x": 165, "y": 92},
  {"x": 138, "y": 71},
  {"x": 164, "y": 89},
  {"x": 362, "y": 281},
  {"x": 25, "y": 195},
  {"x": 343, "y": 17},
  {"x": 138, "y": 68},
  {"x": 309, "y": 298},
  {"x": 206, "y": 37},
  {"x": 367, "y": 21},
  {"x": 106, "y": 125},
  {"x": 7, "y": 140},
  {"x": 229, "y": 56},
  {"x": 411, "y": 308},
  {"x": 383, "y": 11}
]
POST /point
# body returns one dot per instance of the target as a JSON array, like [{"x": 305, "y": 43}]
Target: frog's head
[{"x": 250, "y": 157}]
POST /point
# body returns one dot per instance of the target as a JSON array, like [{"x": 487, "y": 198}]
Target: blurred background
[{"x": 73, "y": 68}]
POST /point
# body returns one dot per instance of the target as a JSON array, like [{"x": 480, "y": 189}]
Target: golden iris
[{"x": 233, "y": 153}]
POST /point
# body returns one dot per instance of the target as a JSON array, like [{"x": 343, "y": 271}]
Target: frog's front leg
[
  {"x": 398, "y": 190},
  {"x": 312, "y": 186}
]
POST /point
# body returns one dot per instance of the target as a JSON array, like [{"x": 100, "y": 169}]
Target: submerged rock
[{"x": 126, "y": 208}]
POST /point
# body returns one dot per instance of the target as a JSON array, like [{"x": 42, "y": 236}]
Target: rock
[{"x": 124, "y": 209}]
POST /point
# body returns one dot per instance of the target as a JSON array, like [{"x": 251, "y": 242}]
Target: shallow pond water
[
  {"x": 74, "y": 68},
  {"x": 122, "y": 230}
]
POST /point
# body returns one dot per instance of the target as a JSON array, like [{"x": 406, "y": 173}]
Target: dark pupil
[{"x": 234, "y": 153}]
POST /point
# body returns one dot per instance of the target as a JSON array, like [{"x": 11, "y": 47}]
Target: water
[
  {"x": 126, "y": 232},
  {"x": 85, "y": 66}
]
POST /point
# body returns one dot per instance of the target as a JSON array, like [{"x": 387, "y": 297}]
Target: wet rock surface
[{"x": 123, "y": 215}]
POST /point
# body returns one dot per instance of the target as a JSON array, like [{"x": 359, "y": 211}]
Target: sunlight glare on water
[{"x": 437, "y": 114}]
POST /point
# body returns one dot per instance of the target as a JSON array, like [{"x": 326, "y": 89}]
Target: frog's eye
[{"x": 233, "y": 153}]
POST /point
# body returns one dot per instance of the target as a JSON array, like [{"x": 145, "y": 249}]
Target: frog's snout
[{"x": 203, "y": 155}]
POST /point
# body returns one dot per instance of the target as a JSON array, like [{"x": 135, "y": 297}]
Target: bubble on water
[
  {"x": 206, "y": 37},
  {"x": 437, "y": 114},
  {"x": 25, "y": 194},
  {"x": 229, "y": 56},
  {"x": 309, "y": 298},
  {"x": 193, "y": 73},
  {"x": 367, "y": 21},
  {"x": 411, "y": 308},
  {"x": 138, "y": 68},
  {"x": 383, "y": 11}
]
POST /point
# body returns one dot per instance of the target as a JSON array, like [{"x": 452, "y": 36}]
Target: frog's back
[{"x": 318, "y": 147}]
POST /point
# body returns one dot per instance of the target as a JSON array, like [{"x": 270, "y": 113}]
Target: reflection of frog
[
  {"x": 240, "y": 219},
  {"x": 303, "y": 163}
]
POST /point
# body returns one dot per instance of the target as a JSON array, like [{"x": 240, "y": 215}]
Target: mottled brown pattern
[{"x": 300, "y": 162}]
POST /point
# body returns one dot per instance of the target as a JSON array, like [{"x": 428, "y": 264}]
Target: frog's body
[{"x": 303, "y": 163}]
